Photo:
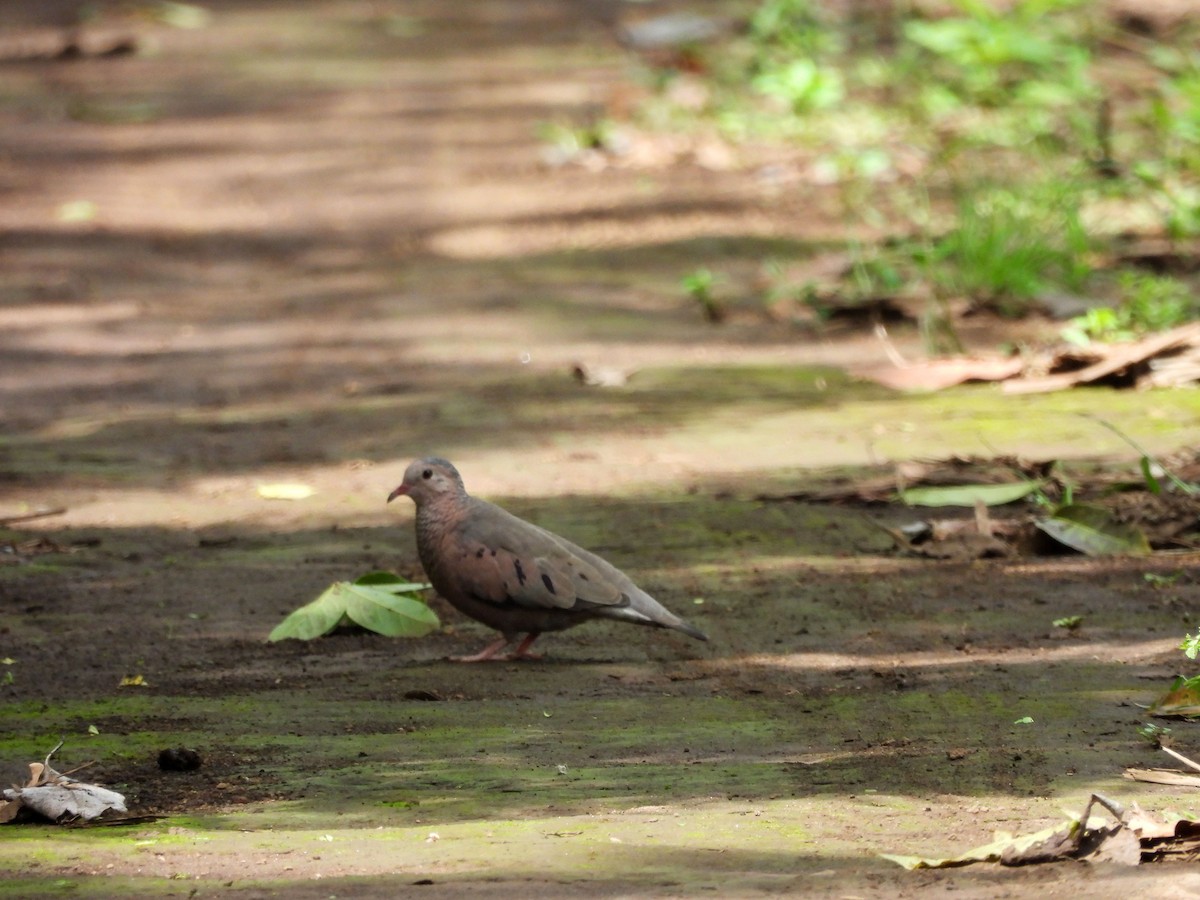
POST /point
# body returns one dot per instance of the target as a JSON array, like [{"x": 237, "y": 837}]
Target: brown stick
[
  {"x": 40, "y": 514},
  {"x": 1183, "y": 759}
]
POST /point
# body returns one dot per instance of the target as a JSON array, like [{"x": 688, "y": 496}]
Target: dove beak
[{"x": 398, "y": 492}]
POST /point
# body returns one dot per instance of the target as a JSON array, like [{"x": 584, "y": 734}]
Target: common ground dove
[{"x": 512, "y": 575}]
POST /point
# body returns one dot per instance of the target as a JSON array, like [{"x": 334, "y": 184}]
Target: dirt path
[{"x": 322, "y": 241}]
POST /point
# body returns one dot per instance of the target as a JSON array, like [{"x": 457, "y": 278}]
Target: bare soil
[{"x": 323, "y": 240}]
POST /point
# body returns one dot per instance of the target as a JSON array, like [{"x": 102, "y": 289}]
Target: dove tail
[{"x": 689, "y": 630}]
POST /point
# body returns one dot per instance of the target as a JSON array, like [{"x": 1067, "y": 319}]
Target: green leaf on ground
[
  {"x": 312, "y": 620},
  {"x": 391, "y": 583},
  {"x": 1092, "y": 530},
  {"x": 969, "y": 494},
  {"x": 379, "y": 602},
  {"x": 386, "y": 613}
]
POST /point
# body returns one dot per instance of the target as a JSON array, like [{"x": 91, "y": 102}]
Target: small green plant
[
  {"x": 1151, "y": 467},
  {"x": 792, "y": 57},
  {"x": 1100, "y": 323},
  {"x": 1011, "y": 244},
  {"x": 1027, "y": 51},
  {"x": 802, "y": 85},
  {"x": 1173, "y": 194},
  {"x": 1175, "y": 107},
  {"x": 1070, "y": 623},
  {"x": 791, "y": 29},
  {"x": 1149, "y": 303},
  {"x": 1154, "y": 734},
  {"x": 568, "y": 142},
  {"x": 1191, "y": 646},
  {"x": 1165, "y": 581},
  {"x": 699, "y": 286},
  {"x": 876, "y": 276}
]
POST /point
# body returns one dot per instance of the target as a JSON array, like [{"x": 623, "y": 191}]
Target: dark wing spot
[
  {"x": 479, "y": 553},
  {"x": 520, "y": 571},
  {"x": 493, "y": 553},
  {"x": 548, "y": 583},
  {"x": 583, "y": 576}
]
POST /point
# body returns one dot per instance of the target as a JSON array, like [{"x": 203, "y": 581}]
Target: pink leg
[
  {"x": 494, "y": 648},
  {"x": 488, "y": 652},
  {"x": 522, "y": 651}
]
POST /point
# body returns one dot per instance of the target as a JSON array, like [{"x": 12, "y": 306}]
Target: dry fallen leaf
[
  {"x": 285, "y": 491},
  {"x": 1129, "y": 359},
  {"x": 1163, "y": 776},
  {"x": 1136, "y": 837},
  {"x": 1181, "y": 701},
  {"x": 56, "y": 797},
  {"x": 938, "y": 374}
]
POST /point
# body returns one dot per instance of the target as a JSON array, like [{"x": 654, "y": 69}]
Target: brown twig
[
  {"x": 40, "y": 514},
  {"x": 1179, "y": 756}
]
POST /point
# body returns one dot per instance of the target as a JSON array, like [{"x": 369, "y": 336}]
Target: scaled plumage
[{"x": 512, "y": 575}]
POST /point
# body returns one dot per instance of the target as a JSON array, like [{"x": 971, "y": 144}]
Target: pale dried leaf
[
  {"x": 1149, "y": 826},
  {"x": 72, "y": 799},
  {"x": 991, "y": 852},
  {"x": 285, "y": 491},
  {"x": 1116, "y": 358},
  {"x": 1119, "y": 845},
  {"x": 1163, "y": 776},
  {"x": 937, "y": 374}
]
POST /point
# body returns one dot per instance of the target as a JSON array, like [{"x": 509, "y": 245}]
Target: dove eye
[{"x": 428, "y": 473}]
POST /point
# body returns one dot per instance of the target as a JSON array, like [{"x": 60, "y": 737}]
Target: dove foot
[
  {"x": 492, "y": 650},
  {"x": 488, "y": 652},
  {"x": 522, "y": 651}
]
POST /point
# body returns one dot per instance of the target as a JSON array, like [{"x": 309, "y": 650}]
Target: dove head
[{"x": 427, "y": 479}]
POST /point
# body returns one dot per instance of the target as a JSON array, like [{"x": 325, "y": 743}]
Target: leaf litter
[
  {"x": 56, "y": 797},
  {"x": 1134, "y": 838},
  {"x": 1100, "y": 512},
  {"x": 1165, "y": 359}
]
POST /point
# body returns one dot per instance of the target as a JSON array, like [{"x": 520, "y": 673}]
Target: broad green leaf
[
  {"x": 386, "y": 613},
  {"x": 969, "y": 494},
  {"x": 313, "y": 619},
  {"x": 382, "y": 604},
  {"x": 392, "y": 583},
  {"x": 1191, "y": 646},
  {"x": 1093, "y": 531}
]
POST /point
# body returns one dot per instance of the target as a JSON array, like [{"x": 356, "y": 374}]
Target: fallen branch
[
  {"x": 29, "y": 517},
  {"x": 1183, "y": 759}
]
